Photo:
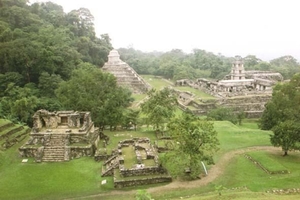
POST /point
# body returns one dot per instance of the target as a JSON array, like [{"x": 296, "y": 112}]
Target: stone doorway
[{"x": 64, "y": 120}]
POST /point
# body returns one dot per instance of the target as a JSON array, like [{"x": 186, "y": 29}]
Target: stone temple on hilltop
[{"x": 126, "y": 76}]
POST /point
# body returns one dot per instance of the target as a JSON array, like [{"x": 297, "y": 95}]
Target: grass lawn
[
  {"x": 48, "y": 180},
  {"x": 116, "y": 136},
  {"x": 241, "y": 172},
  {"x": 268, "y": 162},
  {"x": 156, "y": 82},
  {"x": 198, "y": 93},
  {"x": 236, "y": 137},
  {"x": 137, "y": 99},
  {"x": 242, "y": 195},
  {"x": 129, "y": 157},
  {"x": 82, "y": 177}
]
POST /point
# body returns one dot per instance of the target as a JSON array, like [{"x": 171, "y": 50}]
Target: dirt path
[{"x": 213, "y": 173}]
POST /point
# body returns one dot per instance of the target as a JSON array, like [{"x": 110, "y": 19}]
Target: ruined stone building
[
  {"x": 242, "y": 90},
  {"x": 241, "y": 82},
  {"x": 126, "y": 76},
  {"x": 61, "y": 136},
  {"x": 144, "y": 169}
]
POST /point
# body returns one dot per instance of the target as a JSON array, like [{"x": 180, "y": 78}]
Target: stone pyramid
[{"x": 126, "y": 76}]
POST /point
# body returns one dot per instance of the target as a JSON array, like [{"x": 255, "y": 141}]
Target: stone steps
[{"x": 54, "y": 151}]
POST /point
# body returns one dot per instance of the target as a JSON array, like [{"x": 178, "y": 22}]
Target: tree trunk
[{"x": 285, "y": 153}]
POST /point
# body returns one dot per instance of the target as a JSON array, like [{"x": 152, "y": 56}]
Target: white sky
[{"x": 265, "y": 28}]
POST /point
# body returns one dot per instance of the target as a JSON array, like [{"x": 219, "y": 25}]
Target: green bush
[{"x": 226, "y": 114}]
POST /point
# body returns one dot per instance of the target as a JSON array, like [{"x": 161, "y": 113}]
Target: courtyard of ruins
[{"x": 65, "y": 135}]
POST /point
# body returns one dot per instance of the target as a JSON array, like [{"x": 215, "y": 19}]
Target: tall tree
[
  {"x": 159, "y": 107},
  {"x": 90, "y": 89},
  {"x": 286, "y": 135},
  {"x": 195, "y": 141},
  {"x": 281, "y": 114}
]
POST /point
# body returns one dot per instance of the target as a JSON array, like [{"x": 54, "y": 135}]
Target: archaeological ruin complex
[
  {"x": 241, "y": 90},
  {"x": 64, "y": 135},
  {"x": 126, "y": 76}
]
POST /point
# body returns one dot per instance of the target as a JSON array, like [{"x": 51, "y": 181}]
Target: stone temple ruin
[
  {"x": 241, "y": 82},
  {"x": 64, "y": 135},
  {"x": 135, "y": 162},
  {"x": 242, "y": 90},
  {"x": 126, "y": 76},
  {"x": 61, "y": 136}
]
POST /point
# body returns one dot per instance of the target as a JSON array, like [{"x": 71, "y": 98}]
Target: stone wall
[
  {"x": 28, "y": 152},
  {"x": 80, "y": 151},
  {"x": 141, "y": 181},
  {"x": 141, "y": 171}
]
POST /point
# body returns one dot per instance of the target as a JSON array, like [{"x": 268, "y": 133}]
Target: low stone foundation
[
  {"x": 141, "y": 181},
  {"x": 141, "y": 171}
]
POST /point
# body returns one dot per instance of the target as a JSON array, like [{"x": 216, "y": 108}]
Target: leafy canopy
[
  {"x": 159, "y": 107},
  {"x": 194, "y": 141},
  {"x": 282, "y": 115},
  {"x": 90, "y": 89}
]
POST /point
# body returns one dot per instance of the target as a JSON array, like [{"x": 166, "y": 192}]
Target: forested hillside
[
  {"x": 177, "y": 64},
  {"x": 48, "y": 60},
  {"x": 40, "y": 46}
]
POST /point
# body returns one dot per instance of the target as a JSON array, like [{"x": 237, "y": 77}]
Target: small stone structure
[
  {"x": 140, "y": 172},
  {"x": 126, "y": 76},
  {"x": 61, "y": 136}
]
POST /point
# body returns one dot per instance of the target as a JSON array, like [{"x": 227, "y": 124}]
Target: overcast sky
[{"x": 265, "y": 28}]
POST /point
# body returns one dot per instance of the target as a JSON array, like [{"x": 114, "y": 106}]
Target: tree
[
  {"x": 281, "y": 115},
  {"x": 250, "y": 61},
  {"x": 48, "y": 84},
  {"x": 19, "y": 103},
  {"x": 159, "y": 107},
  {"x": 131, "y": 118},
  {"x": 224, "y": 113},
  {"x": 286, "y": 135},
  {"x": 195, "y": 140},
  {"x": 286, "y": 65},
  {"x": 90, "y": 89}
]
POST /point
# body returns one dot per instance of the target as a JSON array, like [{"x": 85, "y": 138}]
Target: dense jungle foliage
[{"x": 43, "y": 50}]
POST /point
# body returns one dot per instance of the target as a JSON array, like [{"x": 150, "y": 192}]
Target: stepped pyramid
[{"x": 126, "y": 76}]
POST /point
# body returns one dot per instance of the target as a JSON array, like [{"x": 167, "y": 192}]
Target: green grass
[
  {"x": 82, "y": 177},
  {"x": 149, "y": 162},
  {"x": 48, "y": 180},
  {"x": 268, "y": 162},
  {"x": 198, "y": 93},
  {"x": 9, "y": 129},
  {"x": 137, "y": 99},
  {"x": 4, "y": 121},
  {"x": 241, "y": 172},
  {"x": 129, "y": 157},
  {"x": 241, "y": 195},
  {"x": 116, "y": 136},
  {"x": 236, "y": 137},
  {"x": 156, "y": 82}
]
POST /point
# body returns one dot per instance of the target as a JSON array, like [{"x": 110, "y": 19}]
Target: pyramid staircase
[
  {"x": 125, "y": 75},
  {"x": 54, "y": 150}
]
